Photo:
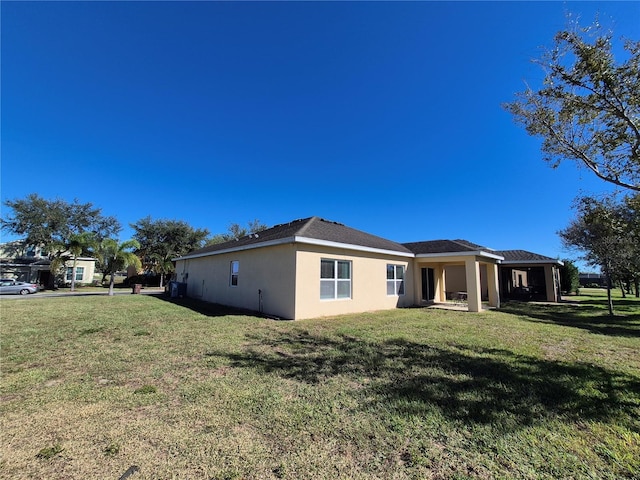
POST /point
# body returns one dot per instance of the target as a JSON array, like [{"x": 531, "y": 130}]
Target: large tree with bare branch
[{"x": 588, "y": 109}]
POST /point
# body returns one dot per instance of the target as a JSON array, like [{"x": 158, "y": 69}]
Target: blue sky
[{"x": 384, "y": 116}]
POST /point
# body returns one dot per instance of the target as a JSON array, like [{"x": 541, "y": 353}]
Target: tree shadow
[
  {"x": 587, "y": 315},
  {"x": 471, "y": 385}
]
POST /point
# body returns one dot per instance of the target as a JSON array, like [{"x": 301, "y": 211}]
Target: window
[
  {"x": 335, "y": 279},
  {"x": 235, "y": 267},
  {"x": 395, "y": 279},
  {"x": 79, "y": 273}
]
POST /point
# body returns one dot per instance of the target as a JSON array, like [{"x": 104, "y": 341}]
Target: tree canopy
[
  {"x": 235, "y": 231},
  {"x": 569, "y": 276},
  {"x": 607, "y": 233},
  {"x": 56, "y": 225},
  {"x": 588, "y": 109},
  {"x": 162, "y": 240}
]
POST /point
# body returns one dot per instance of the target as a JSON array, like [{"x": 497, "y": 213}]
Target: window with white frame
[
  {"x": 335, "y": 279},
  {"x": 79, "y": 274},
  {"x": 395, "y": 279},
  {"x": 233, "y": 274}
]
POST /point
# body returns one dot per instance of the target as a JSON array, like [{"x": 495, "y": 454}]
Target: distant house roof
[
  {"x": 523, "y": 256},
  {"x": 312, "y": 230}
]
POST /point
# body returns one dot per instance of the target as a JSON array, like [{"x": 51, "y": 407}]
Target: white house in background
[{"x": 314, "y": 267}]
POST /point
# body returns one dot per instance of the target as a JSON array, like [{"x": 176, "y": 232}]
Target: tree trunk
[
  {"x": 112, "y": 280},
  {"x": 622, "y": 289},
  {"x": 609, "y": 300},
  {"x": 636, "y": 282},
  {"x": 161, "y": 279},
  {"x": 73, "y": 274}
]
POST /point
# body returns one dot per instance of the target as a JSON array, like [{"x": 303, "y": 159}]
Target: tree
[
  {"x": 162, "y": 240},
  {"x": 588, "y": 109},
  {"x": 117, "y": 256},
  {"x": 79, "y": 243},
  {"x": 569, "y": 277},
  {"x": 631, "y": 215},
  {"x": 604, "y": 232},
  {"x": 235, "y": 231},
  {"x": 162, "y": 265},
  {"x": 56, "y": 225}
]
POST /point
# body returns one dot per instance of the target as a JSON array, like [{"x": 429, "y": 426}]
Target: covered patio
[{"x": 456, "y": 270}]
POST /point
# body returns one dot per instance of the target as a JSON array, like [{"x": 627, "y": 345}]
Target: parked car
[{"x": 9, "y": 286}]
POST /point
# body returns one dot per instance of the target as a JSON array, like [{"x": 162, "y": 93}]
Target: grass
[{"x": 96, "y": 387}]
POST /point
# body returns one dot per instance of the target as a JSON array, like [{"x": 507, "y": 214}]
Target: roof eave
[
  {"x": 539, "y": 262},
  {"x": 350, "y": 246},
  {"x": 298, "y": 239},
  {"x": 475, "y": 253}
]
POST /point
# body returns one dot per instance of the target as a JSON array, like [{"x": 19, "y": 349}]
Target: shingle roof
[
  {"x": 444, "y": 246},
  {"x": 524, "y": 256},
  {"x": 312, "y": 228}
]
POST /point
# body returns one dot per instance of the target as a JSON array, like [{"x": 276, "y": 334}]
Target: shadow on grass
[
  {"x": 207, "y": 308},
  {"x": 589, "y": 315},
  {"x": 484, "y": 386}
]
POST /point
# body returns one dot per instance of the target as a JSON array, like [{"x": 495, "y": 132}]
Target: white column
[
  {"x": 550, "y": 283},
  {"x": 438, "y": 275},
  {"x": 472, "y": 271},
  {"x": 493, "y": 285}
]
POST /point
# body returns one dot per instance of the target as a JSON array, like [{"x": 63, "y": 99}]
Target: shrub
[{"x": 144, "y": 280}]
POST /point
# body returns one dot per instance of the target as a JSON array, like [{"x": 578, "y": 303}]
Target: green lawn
[{"x": 92, "y": 386}]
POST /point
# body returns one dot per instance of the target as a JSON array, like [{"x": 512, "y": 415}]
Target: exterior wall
[
  {"x": 456, "y": 280},
  {"x": 89, "y": 266},
  {"x": 368, "y": 282},
  {"x": 269, "y": 269}
]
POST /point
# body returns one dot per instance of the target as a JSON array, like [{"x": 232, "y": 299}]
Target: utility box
[
  {"x": 136, "y": 288},
  {"x": 177, "y": 289}
]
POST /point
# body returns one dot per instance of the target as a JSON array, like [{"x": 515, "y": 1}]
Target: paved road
[{"x": 80, "y": 293}]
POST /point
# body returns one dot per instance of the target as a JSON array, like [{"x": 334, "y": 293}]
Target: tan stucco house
[
  {"x": 26, "y": 263},
  {"x": 314, "y": 267}
]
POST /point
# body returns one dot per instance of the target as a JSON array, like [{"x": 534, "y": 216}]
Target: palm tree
[
  {"x": 118, "y": 256},
  {"x": 79, "y": 243},
  {"x": 162, "y": 264}
]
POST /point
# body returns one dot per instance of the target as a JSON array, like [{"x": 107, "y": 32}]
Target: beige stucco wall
[
  {"x": 88, "y": 273},
  {"x": 456, "y": 279},
  {"x": 368, "y": 282},
  {"x": 269, "y": 269}
]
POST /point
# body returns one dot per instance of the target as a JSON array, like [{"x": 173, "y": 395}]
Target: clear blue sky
[{"x": 384, "y": 116}]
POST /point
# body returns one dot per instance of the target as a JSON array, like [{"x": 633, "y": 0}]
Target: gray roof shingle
[
  {"x": 524, "y": 256},
  {"x": 314, "y": 228},
  {"x": 444, "y": 246}
]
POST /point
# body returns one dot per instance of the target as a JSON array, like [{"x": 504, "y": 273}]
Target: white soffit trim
[
  {"x": 305, "y": 240},
  {"x": 526, "y": 262},
  {"x": 350, "y": 246},
  {"x": 476, "y": 253}
]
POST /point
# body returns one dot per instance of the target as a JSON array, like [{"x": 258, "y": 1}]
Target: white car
[{"x": 9, "y": 286}]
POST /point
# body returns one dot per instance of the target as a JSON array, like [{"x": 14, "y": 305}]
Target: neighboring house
[
  {"x": 313, "y": 267},
  {"x": 592, "y": 279},
  {"x": 31, "y": 264}
]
